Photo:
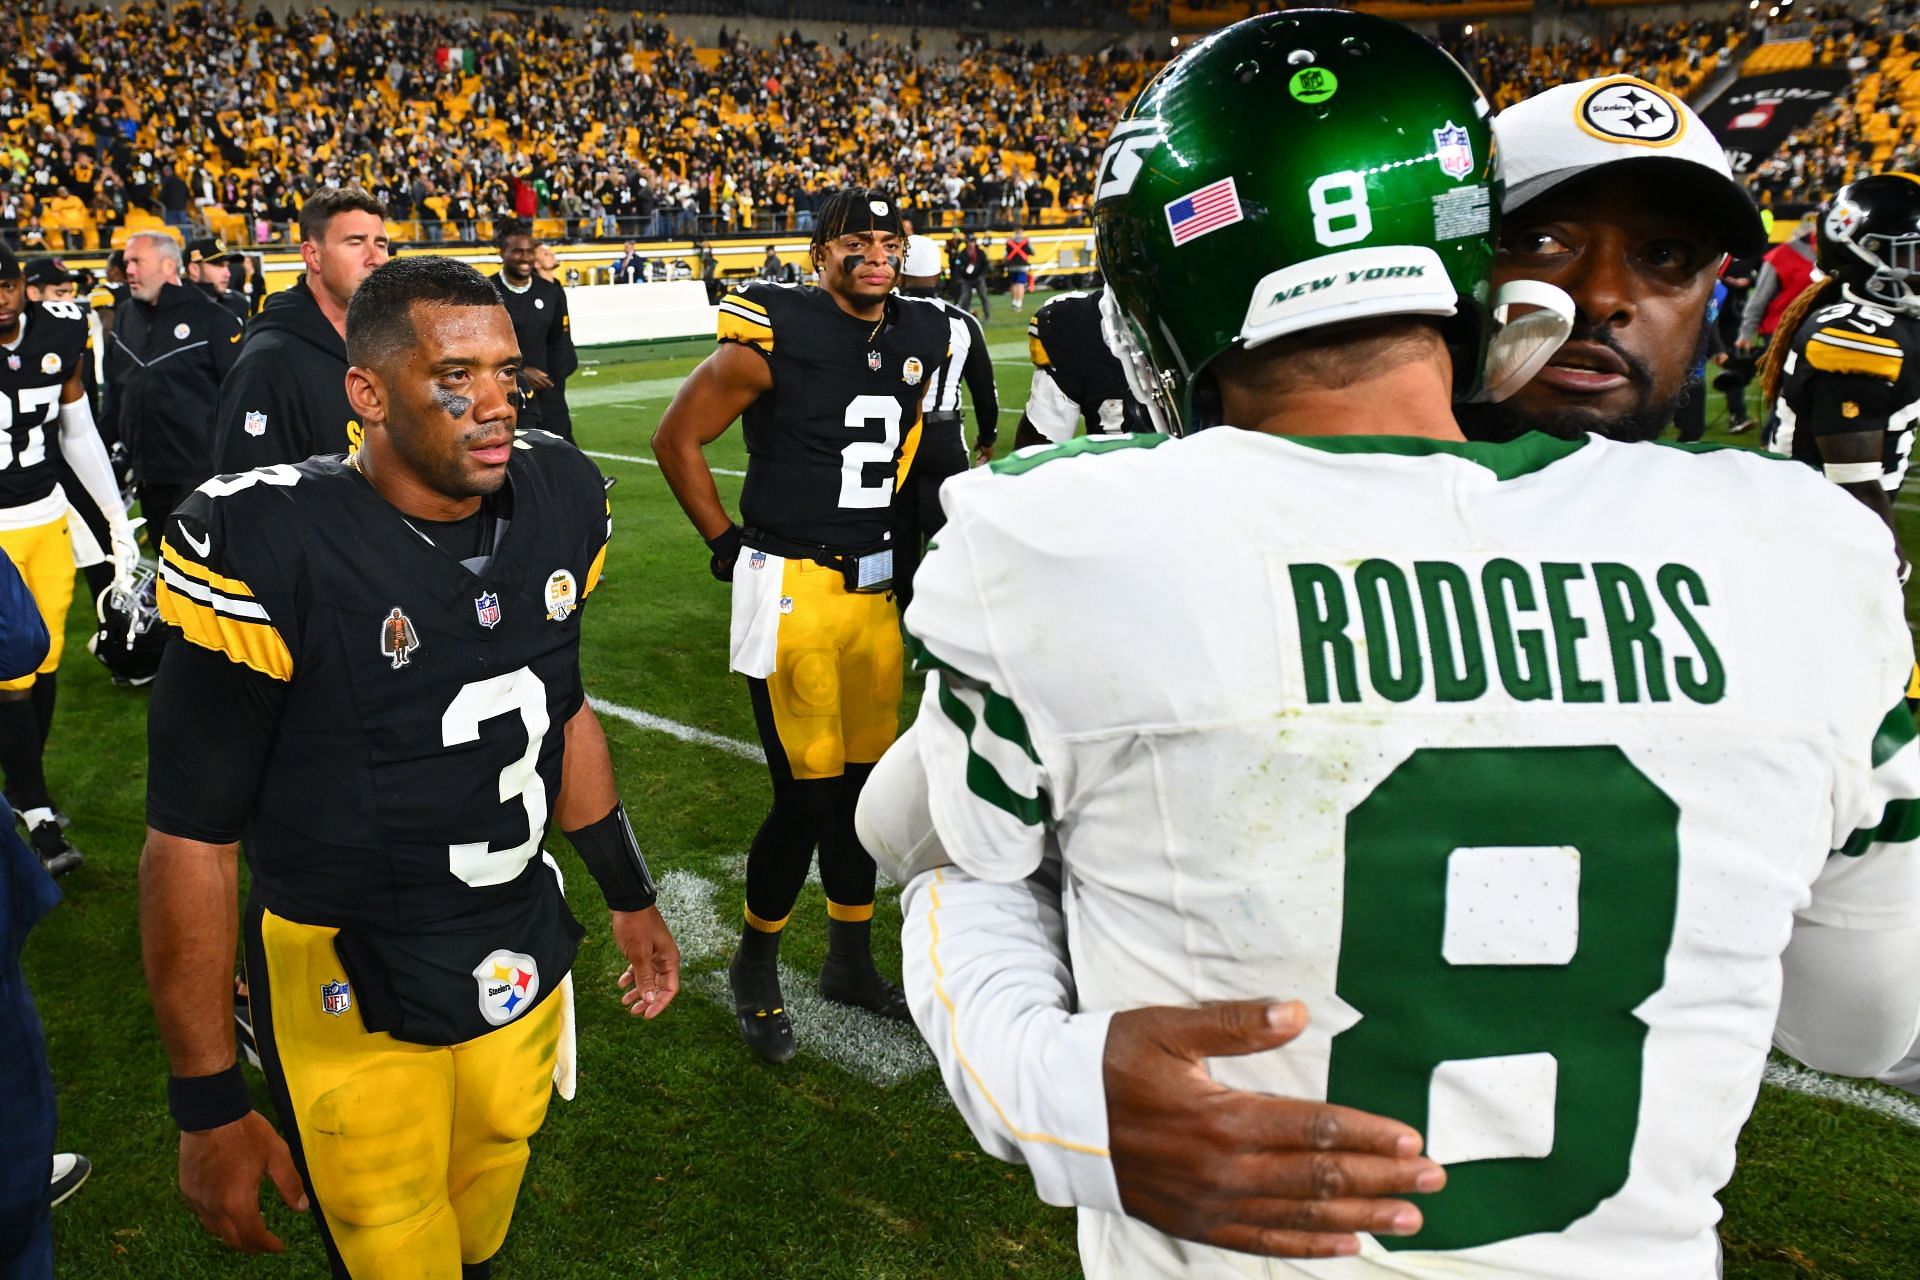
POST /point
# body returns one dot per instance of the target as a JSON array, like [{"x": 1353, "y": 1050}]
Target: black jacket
[
  {"x": 228, "y": 298},
  {"x": 287, "y": 398},
  {"x": 165, "y": 365}
]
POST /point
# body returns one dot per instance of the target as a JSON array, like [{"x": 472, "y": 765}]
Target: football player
[
  {"x": 538, "y": 306},
  {"x": 828, "y": 381},
  {"x": 1076, "y": 376},
  {"x": 407, "y": 945},
  {"x": 44, "y": 350},
  {"x": 943, "y": 443},
  {"x": 1846, "y": 385},
  {"x": 1445, "y": 780}
]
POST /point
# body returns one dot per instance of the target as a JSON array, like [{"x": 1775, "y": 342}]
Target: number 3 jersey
[
  {"x": 1504, "y": 759},
  {"x": 1853, "y": 367},
  {"x": 826, "y": 446},
  {"x": 32, "y": 373},
  {"x": 421, "y": 714}
]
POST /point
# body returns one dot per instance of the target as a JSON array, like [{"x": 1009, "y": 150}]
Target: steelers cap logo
[
  {"x": 879, "y": 208},
  {"x": 1629, "y": 110}
]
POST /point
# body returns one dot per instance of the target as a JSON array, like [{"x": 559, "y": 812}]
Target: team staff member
[
  {"x": 538, "y": 306},
  {"x": 1018, "y": 257},
  {"x": 48, "y": 434},
  {"x": 1076, "y": 376},
  {"x": 1849, "y": 404},
  {"x": 943, "y": 445},
  {"x": 829, "y": 382},
  {"x": 172, "y": 348},
  {"x": 400, "y": 630},
  {"x": 286, "y": 400},
  {"x": 210, "y": 269}
]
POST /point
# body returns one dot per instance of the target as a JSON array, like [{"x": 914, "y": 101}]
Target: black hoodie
[{"x": 286, "y": 400}]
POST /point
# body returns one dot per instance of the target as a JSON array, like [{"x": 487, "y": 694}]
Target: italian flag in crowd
[{"x": 448, "y": 58}]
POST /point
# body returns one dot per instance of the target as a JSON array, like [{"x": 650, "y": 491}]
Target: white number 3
[
  {"x": 1340, "y": 198},
  {"x": 476, "y": 863}
]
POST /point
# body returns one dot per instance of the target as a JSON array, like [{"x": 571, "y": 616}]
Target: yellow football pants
[
  {"x": 835, "y": 687},
  {"x": 412, "y": 1154},
  {"x": 44, "y": 556}
]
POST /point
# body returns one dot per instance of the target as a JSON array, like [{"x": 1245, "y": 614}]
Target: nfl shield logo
[
  {"x": 487, "y": 606},
  {"x": 873, "y": 361},
  {"x": 758, "y": 560},
  {"x": 335, "y": 998},
  {"x": 255, "y": 424},
  {"x": 1454, "y": 149}
]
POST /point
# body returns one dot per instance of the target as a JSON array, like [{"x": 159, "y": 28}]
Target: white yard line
[
  {"x": 1799, "y": 1079},
  {"x": 674, "y": 729},
  {"x": 648, "y": 462}
]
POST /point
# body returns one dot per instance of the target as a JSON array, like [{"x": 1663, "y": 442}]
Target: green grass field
[{"x": 683, "y": 1155}]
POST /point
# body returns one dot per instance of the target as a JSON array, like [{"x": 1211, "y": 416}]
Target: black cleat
[
  {"x": 56, "y": 854},
  {"x": 862, "y": 987},
  {"x": 69, "y": 1171},
  {"x": 761, "y": 1009}
]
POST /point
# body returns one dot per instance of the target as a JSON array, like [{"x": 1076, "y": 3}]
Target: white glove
[{"x": 125, "y": 552}]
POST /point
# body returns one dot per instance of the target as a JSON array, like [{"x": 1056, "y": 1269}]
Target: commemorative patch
[
  {"x": 486, "y": 606},
  {"x": 335, "y": 998},
  {"x": 397, "y": 638},
  {"x": 508, "y": 982},
  {"x": 255, "y": 423},
  {"x": 912, "y": 371},
  {"x": 50, "y": 363},
  {"x": 562, "y": 598}
]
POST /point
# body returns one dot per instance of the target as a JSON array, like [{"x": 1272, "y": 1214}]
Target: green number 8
[{"x": 1418, "y": 1010}]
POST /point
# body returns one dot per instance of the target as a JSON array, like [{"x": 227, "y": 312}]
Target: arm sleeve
[
  {"x": 990, "y": 988},
  {"x": 207, "y": 594},
  {"x": 562, "y": 358},
  {"x": 210, "y": 732},
  {"x": 743, "y": 318},
  {"x": 23, "y": 632},
  {"x": 978, "y": 373},
  {"x": 1756, "y": 309},
  {"x": 1051, "y": 412},
  {"x": 86, "y": 457}
]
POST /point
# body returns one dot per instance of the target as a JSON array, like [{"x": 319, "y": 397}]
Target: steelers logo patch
[
  {"x": 50, "y": 363},
  {"x": 1629, "y": 110}
]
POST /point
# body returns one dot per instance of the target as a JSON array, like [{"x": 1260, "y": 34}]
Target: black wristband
[
  {"x": 726, "y": 549},
  {"x": 613, "y": 856},
  {"x": 207, "y": 1102}
]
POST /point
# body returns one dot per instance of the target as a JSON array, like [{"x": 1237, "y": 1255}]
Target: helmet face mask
[
  {"x": 1294, "y": 171},
  {"x": 130, "y": 637},
  {"x": 1869, "y": 236}
]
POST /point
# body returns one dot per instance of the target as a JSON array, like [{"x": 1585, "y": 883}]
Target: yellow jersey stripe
[
  {"x": 1831, "y": 357},
  {"x": 732, "y": 327},
  {"x": 953, "y": 1031},
  {"x": 251, "y": 644},
  {"x": 1848, "y": 335},
  {"x": 593, "y": 572},
  {"x": 1037, "y": 352},
  {"x": 169, "y": 554},
  {"x": 742, "y": 300}
]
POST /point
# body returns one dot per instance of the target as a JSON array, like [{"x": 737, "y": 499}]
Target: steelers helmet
[
  {"x": 1869, "y": 236},
  {"x": 1292, "y": 171},
  {"x": 130, "y": 636}
]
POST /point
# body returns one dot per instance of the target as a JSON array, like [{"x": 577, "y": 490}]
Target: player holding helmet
[{"x": 1431, "y": 735}]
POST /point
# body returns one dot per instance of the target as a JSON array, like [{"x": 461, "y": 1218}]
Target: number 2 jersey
[
  {"x": 1853, "y": 367},
  {"x": 32, "y": 374},
  {"x": 826, "y": 446},
  {"x": 421, "y": 710},
  {"x": 1502, "y": 758}
]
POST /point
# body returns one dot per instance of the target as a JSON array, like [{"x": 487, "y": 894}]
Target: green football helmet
[{"x": 1295, "y": 170}]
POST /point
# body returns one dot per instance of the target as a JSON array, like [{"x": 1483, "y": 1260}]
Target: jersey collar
[{"x": 1508, "y": 460}]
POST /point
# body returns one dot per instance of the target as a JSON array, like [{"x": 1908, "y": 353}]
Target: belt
[
  {"x": 941, "y": 417},
  {"x": 792, "y": 549}
]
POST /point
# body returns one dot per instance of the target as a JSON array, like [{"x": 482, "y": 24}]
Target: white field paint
[
  {"x": 649, "y": 462},
  {"x": 1815, "y": 1084}
]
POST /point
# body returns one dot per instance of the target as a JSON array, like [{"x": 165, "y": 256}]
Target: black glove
[{"x": 726, "y": 549}]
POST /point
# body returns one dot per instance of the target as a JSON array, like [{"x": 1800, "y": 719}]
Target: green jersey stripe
[
  {"x": 1003, "y": 718},
  {"x": 1895, "y": 732},
  {"x": 1900, "y": 824},
  {"x": 983, "y": 779}
]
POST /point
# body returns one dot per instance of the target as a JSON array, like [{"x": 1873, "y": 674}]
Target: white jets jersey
[{"x": 1515, "y": 763}]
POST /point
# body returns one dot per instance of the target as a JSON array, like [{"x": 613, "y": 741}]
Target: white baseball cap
[
  {"x": 1572, "y": 129},
  {"x": 923, "y": 257}
]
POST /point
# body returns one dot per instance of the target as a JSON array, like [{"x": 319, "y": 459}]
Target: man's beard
[{"x": 1645, "y": 421}]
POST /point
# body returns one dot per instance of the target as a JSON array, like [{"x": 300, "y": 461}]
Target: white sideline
[
  {"x": 674, "y": 729},
  {"x": 648, "y": 462},
  {"x": 1799, "y": 1079}
]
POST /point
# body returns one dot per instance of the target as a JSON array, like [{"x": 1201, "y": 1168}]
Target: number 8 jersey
[
  {"x": 421, "y": 705},
  {"x": 1502, "y": 758},
  {"x": 825, "y": 447}
]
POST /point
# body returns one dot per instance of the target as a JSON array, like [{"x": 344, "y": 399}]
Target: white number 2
[
  {"x": 855, "y": 493},
  {"x": 1340, "y": 198},
  {"x": 476, "y": 863},
  {"x": 34, "y": 403}
]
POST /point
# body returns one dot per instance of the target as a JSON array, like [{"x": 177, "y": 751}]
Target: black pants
[
  {"x": 917, "y": 514},
  {"x": 1690, "y": 415},
  {"x": 965, "y": 287}
]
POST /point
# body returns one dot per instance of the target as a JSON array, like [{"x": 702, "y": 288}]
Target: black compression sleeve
[{"x": 210, "y": 729}]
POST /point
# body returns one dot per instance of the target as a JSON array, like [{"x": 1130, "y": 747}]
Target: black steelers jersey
[
  {"x": 1853, "y": 367},
  {"x": 419, "y": 741},
  {"x": 824, "y": 446},
  {"x": 1064, "y": 338},
  {"x": 32, "y": 373}
]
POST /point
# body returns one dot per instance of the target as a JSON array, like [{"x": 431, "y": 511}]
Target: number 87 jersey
[
  {"x": 32, "y": 374},
  {"x": 422, "y": 703},
  {"x": 1489, "y": 754}
]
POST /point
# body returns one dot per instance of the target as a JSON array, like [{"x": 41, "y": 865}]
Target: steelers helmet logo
[
  {"x": 1842, "y": 218},
  {"x": 1631, "y": 110}
]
